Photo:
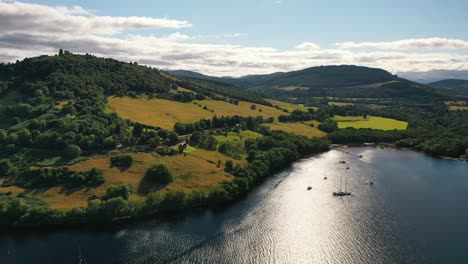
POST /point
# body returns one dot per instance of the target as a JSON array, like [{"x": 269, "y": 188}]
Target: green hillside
[{"x": 345, "y": 81}]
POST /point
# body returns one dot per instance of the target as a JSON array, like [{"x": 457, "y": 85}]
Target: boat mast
[
  {"x": 341, "y": 183},
  {"x": 346, "y": 183}
]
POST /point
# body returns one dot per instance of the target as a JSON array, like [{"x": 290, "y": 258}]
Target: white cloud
[
  {"x": 408, "y": 44},
  {"x": 307, "y": 46},
  {"x": 22, "y": 17},
  {"x": 29, "y": 30}
]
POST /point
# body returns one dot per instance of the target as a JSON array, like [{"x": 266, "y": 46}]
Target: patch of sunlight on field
[
  {"x": 456, "y": 108},
  {"x": 297, "y": 128},
  {"x": 234, "y": 137},
  {"x": 15, "y": 190},
  {"x": 290, "y": 106},
  {"x": 340, "y": 104},
  {"x": 60, "y": 104},
  {"x": 157, "y": 112},
  {"x": 291, "y": 88},
  {"x": 222, "y": 108},
  {"x": 164, "y": 113},
  {"x": 374, "y": 122},
  {"x": 195, "y": 170},
  {"x": 312, "y": 122}
]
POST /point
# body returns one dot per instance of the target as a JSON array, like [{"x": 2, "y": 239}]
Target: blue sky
[
  {"x": 244, "y": 37},
  {"x": 284, "y": 23}
]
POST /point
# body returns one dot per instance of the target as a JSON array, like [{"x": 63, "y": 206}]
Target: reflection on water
[{"x": 414, "y": 213}]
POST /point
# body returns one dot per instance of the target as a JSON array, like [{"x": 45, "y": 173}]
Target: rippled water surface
[{"x": 416, "y": 212}]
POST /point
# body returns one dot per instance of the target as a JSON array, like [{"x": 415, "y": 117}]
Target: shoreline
[{"x": 388, "y": 145}]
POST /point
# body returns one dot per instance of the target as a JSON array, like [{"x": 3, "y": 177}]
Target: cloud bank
[{"x": 30, "y": 29}]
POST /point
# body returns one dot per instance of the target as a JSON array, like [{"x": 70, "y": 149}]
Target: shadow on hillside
[
  {"x": 63, "y": 190},
  {"x": 146, "y": 186}
]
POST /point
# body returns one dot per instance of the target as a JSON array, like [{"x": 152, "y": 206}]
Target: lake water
[{"x": 416, "y": 212}]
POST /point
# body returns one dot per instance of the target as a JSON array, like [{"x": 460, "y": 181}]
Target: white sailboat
[{"x": 341, "y": 192}]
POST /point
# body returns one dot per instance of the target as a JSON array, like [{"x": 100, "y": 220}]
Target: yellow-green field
[
  {"x": 297, "y": 128},
  {"x": 312, "y": 122},
  {"x": 234, "y": 137},
  {"x": 291, "y": 88},
  {"x": 190, "y": 171},
  {"x": 222, "y": 108},
  {"x": 456, "y": 108},
  {"x": 165, "y": 113},
  {"x": 374, "y": 122},
  {"x": 60, "y": 104},
  {"x": 289, "y": 106},
  {"x": 157, "y": 112},
  {"x": 340, "y": 104}
]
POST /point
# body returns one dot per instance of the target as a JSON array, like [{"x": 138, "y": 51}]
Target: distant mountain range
[
  {"x": 323, "y": 76},
  {"x": 334, "y": 81},
  {"x": 452, "y": 86},
  {"x": 434, "y": 75}
]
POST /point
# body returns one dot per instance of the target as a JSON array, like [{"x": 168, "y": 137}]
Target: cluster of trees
[
  {"x": 435, "y": 131},
  {"x": 232, "y": 149},
  {"x": 123, "y": 161},
  {"x": 57, "y": 176},
  {"x": 159, "y": 174},
  {"x": 223, "y": 122},
  {"x": 202, "y": 140}
]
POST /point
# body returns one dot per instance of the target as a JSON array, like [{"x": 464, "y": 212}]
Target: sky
[{"x": 234, "y": 38}]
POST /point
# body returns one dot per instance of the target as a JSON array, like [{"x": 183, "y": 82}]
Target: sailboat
[{"x": 341, "y": 192}]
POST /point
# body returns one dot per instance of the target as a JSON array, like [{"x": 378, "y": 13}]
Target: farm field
[
  {"x": 290, "y": 106},
  {"x": 297, "y": 128},
  {"x": 374, "y": 122},
  {"x": 233, "y": 137},
  {"x": 456, "y": 108},
  {"x": 222, "y": 108},
  {"x": 191, "y": 171},
  {"x": 340, "y": 104},
  {"x": 291, "y": 88},
  {"x": 157, "y": 112},
  {"x": 164, "y": 113}
]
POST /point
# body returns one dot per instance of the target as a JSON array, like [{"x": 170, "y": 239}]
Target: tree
[
  {"x": 5, "y": 167},
  {"x": 72, "y": 151},
  {"x": 123, "y": 161},
  {"x": 253, "y": 107},
  {"x": 228, "y": 166},
  {"x": 113, "y": 191},
  {"x": 159, "y": 174},
  {"x": 173, "y": 138},
  {"x": 137, "y": 130}
]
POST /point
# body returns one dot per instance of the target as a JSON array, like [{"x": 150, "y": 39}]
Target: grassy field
[
  {"x": 374, "y": 122},
  {"x": 340, "y": 104},
  {"x": 298, "y": 128},
  {"x": 456, "y": 108},
  {"x": 222, "y": 108},
  {"x": 312, "y": 122},
  {"x": 196, "y": 170},
  {"x": 290, "y": 106},
  {"x": 233, "y": 137},
  {"x": 157, "y": 112},
  {"x": 291, "y": 88},
  {"x": 165, "y": 113}
]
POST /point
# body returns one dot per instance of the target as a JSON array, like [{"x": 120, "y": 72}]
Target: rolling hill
[
  {"x": 452, "y": 86},
  {"x": 327, "y": 81}
]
